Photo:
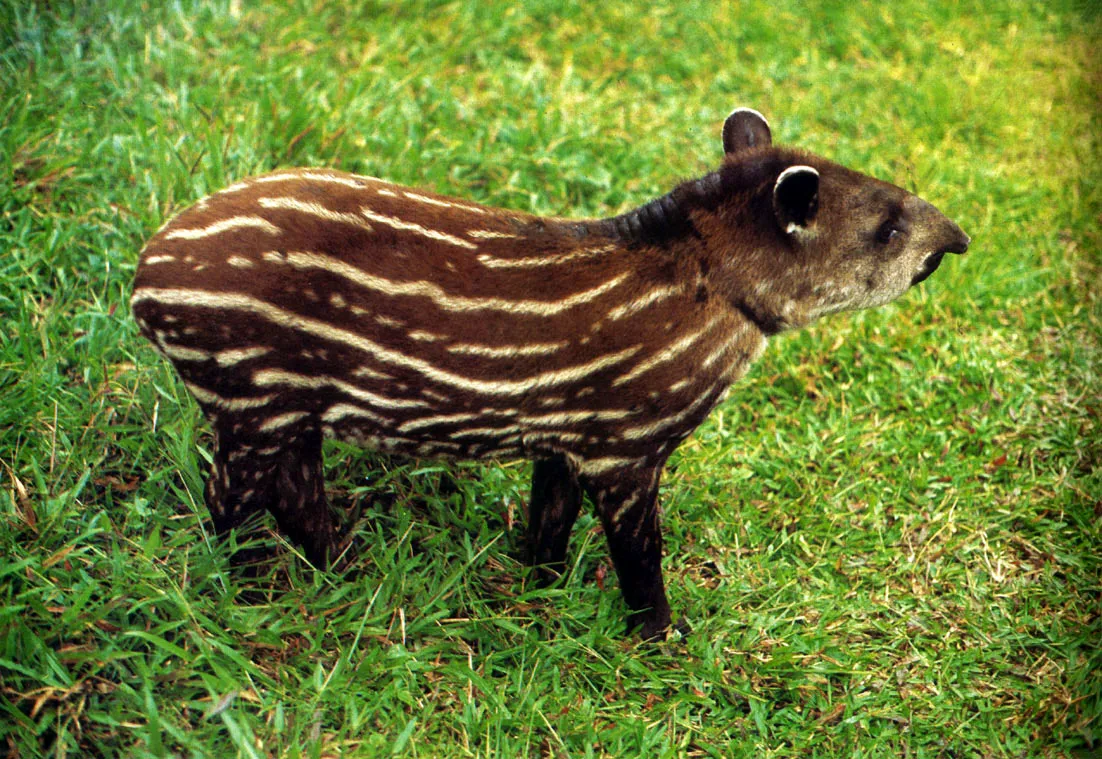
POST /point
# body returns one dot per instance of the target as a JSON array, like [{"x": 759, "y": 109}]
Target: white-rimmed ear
[
  {"x": 796, "y": 198},
  {"x": 745, "y": 128}
]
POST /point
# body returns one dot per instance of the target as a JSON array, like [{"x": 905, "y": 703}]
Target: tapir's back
[{"x": 422, "y": 324}]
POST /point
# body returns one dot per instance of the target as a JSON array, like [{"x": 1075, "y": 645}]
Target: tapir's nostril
[{"x": 959, "y": 245}]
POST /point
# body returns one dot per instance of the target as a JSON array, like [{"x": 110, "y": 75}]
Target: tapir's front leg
[{"x": 625, "y": 498}]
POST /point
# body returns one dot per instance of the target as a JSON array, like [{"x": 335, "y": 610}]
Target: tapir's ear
[
  {"x": 745, "y": 128},
  {"x": 796, "y": 198}
]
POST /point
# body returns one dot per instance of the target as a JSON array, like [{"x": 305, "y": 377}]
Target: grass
[{"x": 886, "y": 540}]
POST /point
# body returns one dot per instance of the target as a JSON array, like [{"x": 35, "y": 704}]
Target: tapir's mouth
[{"x": 929, "y": 266}]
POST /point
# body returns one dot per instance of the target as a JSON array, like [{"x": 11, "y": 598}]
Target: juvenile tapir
[{"x": 310, "y": 303}]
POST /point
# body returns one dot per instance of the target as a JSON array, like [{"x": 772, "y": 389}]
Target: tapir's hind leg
[
  {"x": 283, "y": 476},
  {"x": 240, "y": 484},
  {"x": 300, "y": 506}
]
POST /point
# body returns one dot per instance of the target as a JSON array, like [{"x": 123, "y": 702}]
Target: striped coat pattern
[{"x": 310, "y": 303}]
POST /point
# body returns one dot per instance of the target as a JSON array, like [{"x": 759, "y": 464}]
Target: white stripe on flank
[
  {"x": 236, "y": 222},
  {"x": 367, "y": 371},
  {"x": 240, "y": 262},
  {"x": 283, "y": 420},
  {"x": 657, "y": 294},
  {"x": 442, "y": 203},
  {"x": 314, "y": 209},
  {"x": 489, "y": 234},
  {"x": 507, "y": 351},
  {"x": 574, "y": 417},
  {"x": 292, "y": 321},
  {"x": 496, "y": 433},
  {"x": 442, "y": 299},
  {"x": 386, "y": 321},
  {"x": 649, "y": 430},
  {"x": 668, "y": 354},
  {"x": 434, "y": 396},
  {"x": 230, "y": 404},
  {"x": 237, "y": 355},
  {"x": 552, "y": 436},
  {"x": 425, "y": 337},
  {"x": 278, "y": 377},
  {"x": 494, "y": 262},
  {"x": 380, "y": 353},
  {"x": 592, "y": 467},
  {"x": 409, "y": 226},
  {"x": 183, "y": 353},
  {"x": 159, "y": 260},
  {"x": 429, "y": 421},
  {"x": 340, "y": 411}
]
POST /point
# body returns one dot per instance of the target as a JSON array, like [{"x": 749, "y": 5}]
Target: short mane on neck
[
  {"x": 668, "y": 219},
  {"x": 657, "y": 223}
]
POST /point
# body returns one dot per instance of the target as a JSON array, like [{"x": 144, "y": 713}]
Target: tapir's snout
[
  {"x": 953, "y": 240},
  {"x": 943, "y": 236},
  {"x": 959, "y": 242},
  {"x": 937, "y": 231}
]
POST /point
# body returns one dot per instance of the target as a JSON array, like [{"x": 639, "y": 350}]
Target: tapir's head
[{"x": 826, "y": 238}]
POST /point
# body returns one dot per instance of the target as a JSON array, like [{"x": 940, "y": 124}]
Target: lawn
[{"x": 886, "y": 540}]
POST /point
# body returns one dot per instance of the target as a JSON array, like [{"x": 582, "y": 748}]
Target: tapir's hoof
[{"x": 658, "y": 630}]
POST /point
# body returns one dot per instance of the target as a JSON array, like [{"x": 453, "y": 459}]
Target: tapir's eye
[{"x": 888, "y": 231}]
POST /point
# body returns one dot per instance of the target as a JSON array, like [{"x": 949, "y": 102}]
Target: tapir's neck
[
  {"x": 665, "y": 222},
  {"x": 753, "y": 276},
  {"x": 714, "y": 233}
]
